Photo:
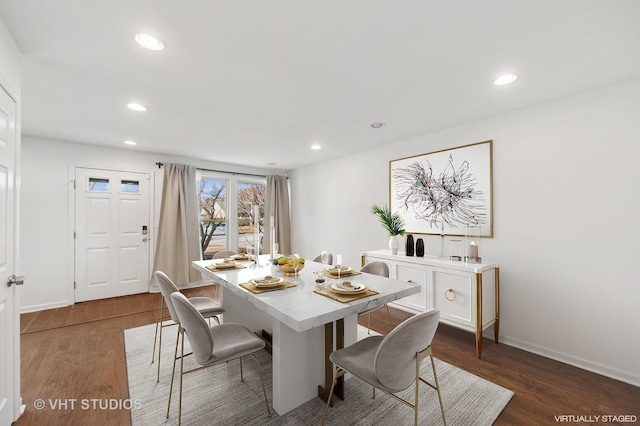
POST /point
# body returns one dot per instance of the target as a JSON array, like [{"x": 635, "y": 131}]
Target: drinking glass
[
  {"x": 325, "y": 259},
  {"x": 338, "y": 263},
  {"x": 296, "y": 264}
]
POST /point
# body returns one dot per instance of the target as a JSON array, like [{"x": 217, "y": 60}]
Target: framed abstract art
[{"x": 441, "y": 192}]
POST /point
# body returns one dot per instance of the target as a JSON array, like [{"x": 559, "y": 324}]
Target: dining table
[{"x": 304, "y": 319}]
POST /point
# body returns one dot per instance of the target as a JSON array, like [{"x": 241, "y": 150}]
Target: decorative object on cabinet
[
  {"x": 391, "y": 222},
  {"x": 420, "y": 247},
  {"x": 467, "y": 294},
  {"x": 455, "y": 250},
  {"x": 452, "y": 186},
  {"x": 472, "y": 243},
  {"x": 408, "y": 245}
]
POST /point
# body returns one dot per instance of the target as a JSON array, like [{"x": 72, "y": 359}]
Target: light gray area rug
[{"x": 216, "y": 396}]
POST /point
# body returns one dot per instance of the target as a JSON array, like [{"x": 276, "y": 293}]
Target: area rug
[{"x": 216, "y": 396}]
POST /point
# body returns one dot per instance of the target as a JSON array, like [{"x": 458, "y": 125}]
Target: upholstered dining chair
[
  {"x": 392, "y": 363},
  {"x": 318, "y": 258},
  {"x": 208, "y": 307},
  {"x": 377, "y": 268},
  {"x": 223, "y": 254},
  {"x": 211, "y": 345}
]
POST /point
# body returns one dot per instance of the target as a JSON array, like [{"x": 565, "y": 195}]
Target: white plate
[
  {"x": 354, "y": 288},
  {"x": 267, "y": 282},
  {"x": 343, "y": 270}
]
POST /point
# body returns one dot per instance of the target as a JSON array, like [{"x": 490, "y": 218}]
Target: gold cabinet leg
[
  {"x": 479, "y": 315},
  {"x": 496, "y": 326}
]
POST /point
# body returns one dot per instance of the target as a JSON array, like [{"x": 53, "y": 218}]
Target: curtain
[
  {"x": 277, "y": 206},
  {"x": 178, "y": 235}
]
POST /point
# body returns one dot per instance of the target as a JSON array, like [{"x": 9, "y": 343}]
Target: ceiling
[{"x": 258, "y": 82}]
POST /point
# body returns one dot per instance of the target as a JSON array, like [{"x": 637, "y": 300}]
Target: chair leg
[
  {"x": 181, "y": 374},
  {"x": 173, "y": 370},
  {"x": 160, "y": 341},
  {"x": 435, "y": 377},
  {"x": 369, "y": 325},
  {"x": 264, "y": 391},
  {"x": 388, "y": 314},
  {"x": 155, "y": 337},
  {"x": 336, "y": 372}
]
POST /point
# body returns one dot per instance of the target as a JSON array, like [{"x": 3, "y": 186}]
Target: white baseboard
[
  {"x": 52, "y": 305},
  {"x": 604, "y": 370}
]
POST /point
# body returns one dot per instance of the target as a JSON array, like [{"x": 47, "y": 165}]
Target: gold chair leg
[
  {"x": 388, "y": 314},
  {"x": 333, "y": 385},
  {"x": 173, "y": 370},
  {"x": 181, "y": 374},
  {"x": 264, "y": 390},
  {"x": 160, "y": 340},
  {"x": 369, "y": 325},
  {"x": 435, "y": 377},
  {"x": 155, "y": 337}
]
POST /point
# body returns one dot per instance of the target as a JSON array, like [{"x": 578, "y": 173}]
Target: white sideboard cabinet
[{"x": 466, "y": 294}]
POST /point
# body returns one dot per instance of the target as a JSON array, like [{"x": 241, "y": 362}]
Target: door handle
[
  {"x": 15, "y": 280},
  {"x": 145, "y": 239}
]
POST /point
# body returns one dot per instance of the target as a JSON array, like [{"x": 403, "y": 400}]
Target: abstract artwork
[{"x": 441, "y": 192}]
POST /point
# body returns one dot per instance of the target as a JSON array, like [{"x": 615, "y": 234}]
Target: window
[
  {"x": 213, "y": 216},
  {"x": 98, "y": 185},
  {"x": 251, "y": 197},
  {"x": 227, "y": 210},
  {"x": 130, "y": 186}
]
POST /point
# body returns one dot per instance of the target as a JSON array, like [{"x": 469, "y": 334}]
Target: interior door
[
  {"x": 9, "y": 317},
  {"x": 112, "y": 233}
]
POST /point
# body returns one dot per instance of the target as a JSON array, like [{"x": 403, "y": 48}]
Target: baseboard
[
  {"x": 603, "y": 370},
  {"x": 52, "y": 305}
]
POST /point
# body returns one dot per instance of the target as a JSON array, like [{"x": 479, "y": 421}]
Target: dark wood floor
[{"x": 77, "y": 353}]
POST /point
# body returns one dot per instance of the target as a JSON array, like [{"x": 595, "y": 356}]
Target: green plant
[{"x": 392, "y": 222}]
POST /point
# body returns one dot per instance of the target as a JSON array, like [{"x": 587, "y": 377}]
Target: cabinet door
[
  {"x": 417, "y": 276},
  {"x": 453, "y": 296}
]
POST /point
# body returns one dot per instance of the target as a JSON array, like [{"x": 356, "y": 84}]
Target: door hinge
[
  {"x": 74, "y": 235},
  {"x": 74, "y": 285}
]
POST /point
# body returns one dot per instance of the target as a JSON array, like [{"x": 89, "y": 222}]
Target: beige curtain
[
  {"x": 178, "y": 235},
  {"x": 277, "y": 205}
]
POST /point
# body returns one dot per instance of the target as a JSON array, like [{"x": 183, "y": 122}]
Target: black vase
[
  {"x": 408, "y": 246},
  {"x": 420, "y": 248}
]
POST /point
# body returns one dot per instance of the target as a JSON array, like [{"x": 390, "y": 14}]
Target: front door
[
  {"x": 112, "y": 233},
  {"x": 9, "y": 317}
]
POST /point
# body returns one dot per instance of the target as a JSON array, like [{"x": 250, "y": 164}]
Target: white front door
[
  {"x": 112, "y": 233},
  {"x": 9, "y": 317}
]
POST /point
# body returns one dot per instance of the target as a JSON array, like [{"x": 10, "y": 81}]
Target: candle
[
  {"x": 273, "y": 237},
  {"x": 472, "y": 250}
]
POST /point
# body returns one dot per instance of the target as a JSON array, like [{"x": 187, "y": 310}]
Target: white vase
[{"x": 393, "y": 244}]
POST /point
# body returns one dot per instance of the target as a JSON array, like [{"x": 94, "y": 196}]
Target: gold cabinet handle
[
  {"x": 446, "y": 295},
  {"x": 410, "y": 281}
]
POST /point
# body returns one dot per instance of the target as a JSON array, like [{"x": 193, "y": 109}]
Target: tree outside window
[
  {"x": 213, "y": 216},
  {"x": 250, "y": 194}
]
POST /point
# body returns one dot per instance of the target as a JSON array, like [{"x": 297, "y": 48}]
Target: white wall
[
  {"x": 565, "y": 212},
  {"x": 10, "y": 60},
  {"x": 47, "y": 209}
]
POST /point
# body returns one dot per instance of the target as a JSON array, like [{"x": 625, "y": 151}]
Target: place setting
[
  {"x": 267, "y": 283},
  {"x": 345, "y": 291},
  {"x": 226, "y": 264}
]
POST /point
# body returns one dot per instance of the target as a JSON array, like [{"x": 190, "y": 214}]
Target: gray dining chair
[
  {"x": 211, "y": 345},
  {"x": 391, "y": 363},
  {"x": 377, "y": 268},
  {"x": 223, "y": 254},
  {"x": 318, "y": 259},
  {"x": 208, "y": 307}
]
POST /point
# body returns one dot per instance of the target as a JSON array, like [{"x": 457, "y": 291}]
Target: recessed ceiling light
[
  {"x": 505, "y": 79},
  {"x": 149, "y": 41},
  {"x": 377, "y": 124},
  {"x": 316, "y": 146},
  {"x": 130, "y": 142},
  {"x": 137, "y": 107}
]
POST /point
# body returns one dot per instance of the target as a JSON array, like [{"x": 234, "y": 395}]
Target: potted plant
[{"x": 391, "y": 222}]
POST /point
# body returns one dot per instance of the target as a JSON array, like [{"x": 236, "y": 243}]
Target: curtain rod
[{"x": 160, "y": 164}]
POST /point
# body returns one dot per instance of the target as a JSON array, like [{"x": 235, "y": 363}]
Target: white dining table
[{"x": 305, "y": 327}]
